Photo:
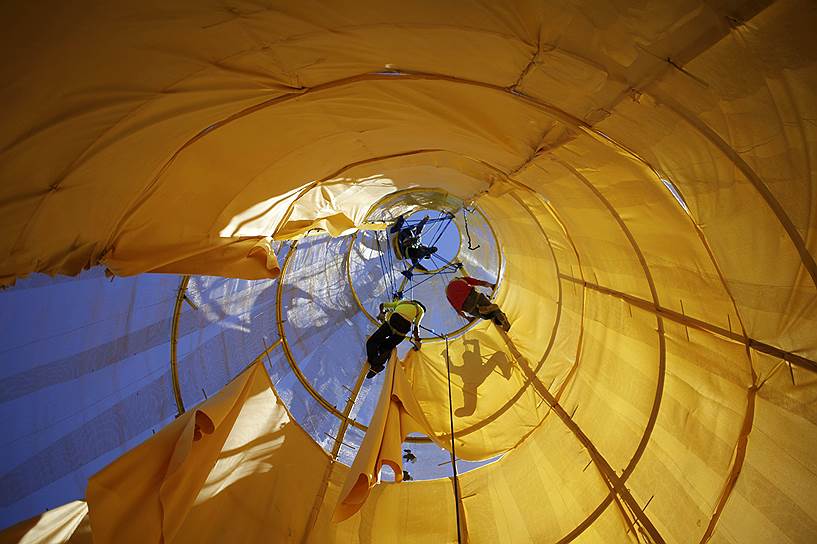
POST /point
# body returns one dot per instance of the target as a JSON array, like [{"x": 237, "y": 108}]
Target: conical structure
[{"x": 636, "y": 178}]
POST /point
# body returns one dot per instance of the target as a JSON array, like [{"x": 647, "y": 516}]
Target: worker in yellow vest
[{"x": 399, "y": 318}]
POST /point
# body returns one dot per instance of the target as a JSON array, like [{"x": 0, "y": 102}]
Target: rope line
[
  {"x": 453, "y": 446},
  {"x": 381, "y": 260},
  {"x": 429, "y": 276},
  {"x": 451, "y": 424},
  {"x": 391, "y": 260},
  {"x": 431, "y": 220},
  {"x": 447, "y": 224},
  {"x": 437, "y": 227},
  {"x": 467, "y": 232}
]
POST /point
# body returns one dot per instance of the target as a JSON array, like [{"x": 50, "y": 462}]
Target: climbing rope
[
  {"x": 451, "y": 426},
  {"x": 430, "y": 275},
  {"x": 388, "y": 280},
  {"x": 467, "y": 233},
  {"x": 444, "y": 228},
  {"x": 434, "y": 220},
  {"x": 453, "y": 446}
]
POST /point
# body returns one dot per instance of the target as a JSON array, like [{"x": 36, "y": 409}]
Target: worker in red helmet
[{"x": 469, "y": 303}]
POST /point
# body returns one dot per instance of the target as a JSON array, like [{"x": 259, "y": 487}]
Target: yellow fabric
[
  {"x": 169, "y": 488},
  {"x": 654, "y": 317},
  {"x": 248, "y": 258},
  {"x": 396, "y": 416},
  {"x": 65, "y": 524}
]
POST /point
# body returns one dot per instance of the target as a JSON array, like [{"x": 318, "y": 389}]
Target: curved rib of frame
[
  {"x": 344, "y": 419},
  {"x": 174, "y": 336},
  {"x": 763, "y": 190},
  {"x": 344, "y": 426},
  {"x": 616, "y": 484},
  {"x": 387, "y": 200},
  {"x": 688, "y": 321}
]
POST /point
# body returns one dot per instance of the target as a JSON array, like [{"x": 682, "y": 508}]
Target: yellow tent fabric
[
  {"x": 648, "y": 168},
  {"x": 65, "y": 524},
  {"x": 246, "y": 258},
  {"x": 175, "y": 486},
  {"x": 397, "y": 415}
]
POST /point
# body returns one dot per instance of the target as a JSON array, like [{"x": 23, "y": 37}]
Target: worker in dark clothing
[
  {"x": 465, "y": 299},
  {"x": 406, "y": 242},
  {"x": 399, "y": 318}
]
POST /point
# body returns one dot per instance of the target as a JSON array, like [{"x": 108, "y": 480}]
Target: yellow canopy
[{"x": 648, "y": 169}]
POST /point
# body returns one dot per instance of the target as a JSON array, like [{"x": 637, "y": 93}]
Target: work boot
[
  {"x": 488, "y": 309},
  {"x": 374, "y": 371}
]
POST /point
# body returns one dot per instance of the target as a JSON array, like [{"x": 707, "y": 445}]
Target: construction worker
[
  {"x": 407, "y": 244},
  {"x": 398, "y": 317},
  {"x": 465, "y": 299}
]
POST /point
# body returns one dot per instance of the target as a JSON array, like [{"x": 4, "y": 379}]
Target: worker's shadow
[{"x": 474, "y": 370}]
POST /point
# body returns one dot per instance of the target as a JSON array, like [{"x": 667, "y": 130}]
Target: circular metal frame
[{"x": 394, "y": 196}]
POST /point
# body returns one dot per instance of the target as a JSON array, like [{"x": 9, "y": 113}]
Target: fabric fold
[
  {"x": 396, "y": 416},
  {"x": 243, "y": 258},
  {"x": 144, "y": 496}
]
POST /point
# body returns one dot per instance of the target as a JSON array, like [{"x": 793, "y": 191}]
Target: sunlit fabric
[
  {"x": 67, "y": 523},
  {"x": 397, "y": 415},
  {"x": 637, "y": 178}
]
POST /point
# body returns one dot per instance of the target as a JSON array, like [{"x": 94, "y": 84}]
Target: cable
[
  {"x": 388, "y": 278},
  {"x": 451, "y": 422},
  {"x": 440, "y": 262},
  {"x": 443, "y": 230},
  {"x": 432, "y": 220},
  {"x": 453, "y": 446},
  {"x": 391, "y": 265},
  {"x": 431, "y": 275},
  {"x": 382, "y": 262},
  {"x": 467, "y": 233}
]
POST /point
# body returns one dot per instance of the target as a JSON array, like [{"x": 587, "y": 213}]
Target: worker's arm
[
  {"x": 416, "y": 337},
  {"x": 416, "y": 331},
  {"x": 478, "y": 283},
  {"x": 420, "y": 225}
]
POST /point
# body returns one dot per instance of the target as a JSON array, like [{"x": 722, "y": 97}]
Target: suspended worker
[
  {"x": 463, "y": 296},
  {"x": 407, "y": 244},
  {"x": 398, "y": 318}
]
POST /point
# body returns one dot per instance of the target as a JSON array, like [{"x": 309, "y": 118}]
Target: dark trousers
[
  {"x": 478, "y": 305},
  {"x": 385, "y": 339}
]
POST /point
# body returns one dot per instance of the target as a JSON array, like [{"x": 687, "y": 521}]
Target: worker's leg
[
  {"x": 374, "y": 346},
  {"x": 399, "y": 327},
  {"x": 489, "y": 310},
  {"x": 398, "y": 224},
  {"x": 384, "y": 350},
  {"x": 418, "y": 265},
  {"x": 386, "y": 338},
  {"x": 469, "y": 305}
]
